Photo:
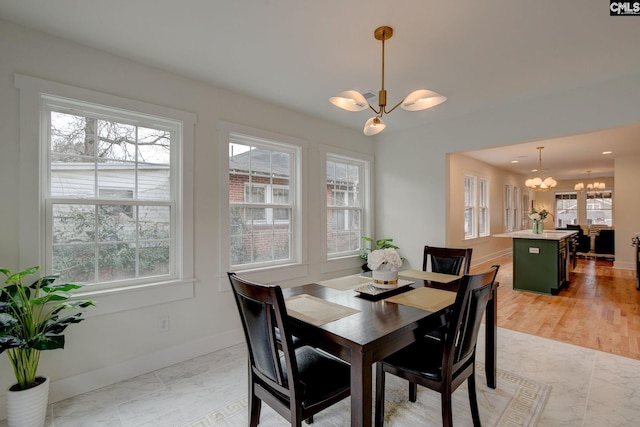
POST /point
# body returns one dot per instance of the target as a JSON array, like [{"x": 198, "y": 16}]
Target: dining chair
[
  {"x": 443, "y": 365},
  {"x": 447, "y": 260},
  {"x": 297, "y": 382}
]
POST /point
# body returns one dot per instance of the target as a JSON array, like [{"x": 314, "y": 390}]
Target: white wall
[
  {"x": 411, "y": 165},
  {"x": 107, "y": 348},
  {"x": 626, "y": 209}
]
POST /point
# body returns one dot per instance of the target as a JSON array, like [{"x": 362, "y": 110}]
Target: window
[
  {"x": 102, "y": 234},
  {"x": 476, "y": 207},
  {"x": 114, "y": 209},
  {"x": 262, "y": 181},
  {"x": 600, "y": 208},
  {"x": 345, "y": 204},
  {"x": 566, "y": 209}
]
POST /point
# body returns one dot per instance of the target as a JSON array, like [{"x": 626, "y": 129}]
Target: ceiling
[{"x": 299, "y": 53}]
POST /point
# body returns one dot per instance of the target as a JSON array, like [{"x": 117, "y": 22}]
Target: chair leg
[
  {"x": 380, "y": 377},
  {"x": 413, "y": 391},
  {"x": 473, "y": 400},
  {"x": 309, "y": 420},
  {"x": 447, "y": 416},
  {"x": 254, "y": 410}
]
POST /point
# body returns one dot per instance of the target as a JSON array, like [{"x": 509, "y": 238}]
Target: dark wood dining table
[{"x": 379, "y": 329}]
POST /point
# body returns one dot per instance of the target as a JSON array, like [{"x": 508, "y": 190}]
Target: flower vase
[
  {"x": 538, "y": 227},
  {"x": 385, "y": 279}
]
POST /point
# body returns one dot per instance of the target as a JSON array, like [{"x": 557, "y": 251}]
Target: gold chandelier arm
[
  {"x": 394, "y": 107},
  {"x": 377, "y": 112}
]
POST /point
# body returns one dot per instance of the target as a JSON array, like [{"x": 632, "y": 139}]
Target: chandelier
[
  {"x": 352, "y": 100},
  {"x": 590, "y": 186},
  {"x": 537, "y": 183}
]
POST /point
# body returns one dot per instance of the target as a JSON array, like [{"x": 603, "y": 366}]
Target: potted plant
[
  {"x": 31, "y": 321},
  {"x": 374, "y": 245}
]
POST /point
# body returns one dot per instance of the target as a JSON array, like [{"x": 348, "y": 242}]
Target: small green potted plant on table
[
  {"x": 31, "y": 321},
  {"x": 374, "y": 245}
]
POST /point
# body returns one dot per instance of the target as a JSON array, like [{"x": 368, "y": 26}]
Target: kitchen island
[{"x": 540, "y": 261}]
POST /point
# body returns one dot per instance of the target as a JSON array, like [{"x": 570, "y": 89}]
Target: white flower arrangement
[
  {"x": 538, "y": 215},
  {"x": 384, "y": 260}
]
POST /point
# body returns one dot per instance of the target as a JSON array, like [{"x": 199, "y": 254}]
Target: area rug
[{"x": 517, "y": 401}]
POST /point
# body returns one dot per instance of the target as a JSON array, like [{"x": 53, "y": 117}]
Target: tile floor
[{"x": 589, "y": 388}]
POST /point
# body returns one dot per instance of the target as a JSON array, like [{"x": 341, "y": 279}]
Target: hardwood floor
[{"x": 600, "y": 309}]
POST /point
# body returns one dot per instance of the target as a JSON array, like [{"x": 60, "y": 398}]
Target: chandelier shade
[
  {"x": 373, "y": 126},
  {"x": 422, "y": 99},
  {"x": 352, "y": 100},
  {"x": 590, "y": 186},
  {"x": 537, "y": 183}
]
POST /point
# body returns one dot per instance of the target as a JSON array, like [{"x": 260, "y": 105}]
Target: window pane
[
  {"x": 72, "y": 135},
  {"x": 73, "y": 223},
  {"x": 116, "y": 141},
  {"x": 468, "y": 222},
  {"x": 75, "y": 262}
]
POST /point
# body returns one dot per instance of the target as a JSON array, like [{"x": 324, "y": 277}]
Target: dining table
[{"x": 340, "y": 317}]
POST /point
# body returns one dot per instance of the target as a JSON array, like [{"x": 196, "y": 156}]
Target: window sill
[
  {"x": 114, "y": 300},
  {"x": 343, "y": 263},
  {"x": 266, "y": 275}
]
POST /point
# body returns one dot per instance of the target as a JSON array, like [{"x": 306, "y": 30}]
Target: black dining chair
[
  {"x": 447, "y": 260},
  {"x": 444, "y": 365},
  {"x": 297, "y": 382}
]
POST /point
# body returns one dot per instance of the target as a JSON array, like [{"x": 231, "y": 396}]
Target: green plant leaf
[
  {"x": 47, "y": 342},
  {"x": 8, "y": 342}
]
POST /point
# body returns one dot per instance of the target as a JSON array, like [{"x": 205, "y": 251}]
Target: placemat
[
  {"x": 316, "y": 310},
  {"x": 346, "y": 283},
  {"x": 428, "y": 299},
  {"x": 428, "y": 275}
]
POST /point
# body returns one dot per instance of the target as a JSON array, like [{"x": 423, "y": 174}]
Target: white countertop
[{"x": 547, "y": 235}]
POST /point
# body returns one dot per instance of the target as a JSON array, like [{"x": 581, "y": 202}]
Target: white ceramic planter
[
  {"x": 385, "y": 279},
  {"x": 28, "y": 407}
]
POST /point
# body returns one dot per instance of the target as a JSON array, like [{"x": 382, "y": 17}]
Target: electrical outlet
[{"x": 163, "y": 324}]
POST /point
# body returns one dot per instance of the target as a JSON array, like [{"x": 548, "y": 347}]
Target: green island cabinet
[{"x": 540, "y": 261}]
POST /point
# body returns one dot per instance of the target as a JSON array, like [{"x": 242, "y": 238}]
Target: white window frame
[
  {"x": 516, "y": 208},
  {"x": 34, "y": 180},
  {"x": 484, "y": 206},
  {"x": 508, "y": 208},
  {"x": 364, "y": 164},
  {"x": 297, "y": 266}
]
